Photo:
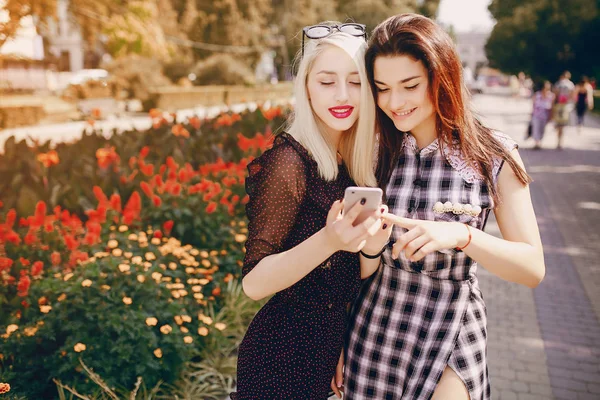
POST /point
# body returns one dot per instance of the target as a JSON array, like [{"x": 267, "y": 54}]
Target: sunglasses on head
[{"x": 321, "y": 31}]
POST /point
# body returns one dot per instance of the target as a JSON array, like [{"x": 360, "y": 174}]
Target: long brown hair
[{"x": 420, "y": 38}]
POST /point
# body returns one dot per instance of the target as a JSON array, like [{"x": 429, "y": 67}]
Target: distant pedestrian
[
  {"x": 542, "y": 112},
  {"x": 583, "y": 96},
  {"x": 563, "y": 89}
]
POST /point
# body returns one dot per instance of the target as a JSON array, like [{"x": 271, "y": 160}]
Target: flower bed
[{"x": 146, "y": 287}]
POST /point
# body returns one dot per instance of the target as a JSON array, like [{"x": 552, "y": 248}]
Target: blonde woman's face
[
  {"x": 402, "y": 91},
  {"x": 333, "y": 86}
]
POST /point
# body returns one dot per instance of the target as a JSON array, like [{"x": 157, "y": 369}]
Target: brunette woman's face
[
  {"x": 403, "y": 92},
  {"x": 333, "y": 86}
]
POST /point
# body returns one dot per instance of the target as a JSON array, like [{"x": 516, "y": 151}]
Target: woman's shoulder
[{"x": 285, "y": 155}]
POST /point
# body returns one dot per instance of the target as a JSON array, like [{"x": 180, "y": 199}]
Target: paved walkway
[{"x": 545, "y": 343}]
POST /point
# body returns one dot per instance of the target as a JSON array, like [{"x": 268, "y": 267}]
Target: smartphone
[{"x": 355, "y": 194}]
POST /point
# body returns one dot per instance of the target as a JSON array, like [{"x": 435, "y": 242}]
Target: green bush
[{"x": 223, "y": 69}]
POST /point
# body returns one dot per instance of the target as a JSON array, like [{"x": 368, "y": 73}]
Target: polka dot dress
[{"x": 292, "y": 346}]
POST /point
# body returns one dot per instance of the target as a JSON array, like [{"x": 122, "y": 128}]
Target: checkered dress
[{"x": 411, "y": 320}]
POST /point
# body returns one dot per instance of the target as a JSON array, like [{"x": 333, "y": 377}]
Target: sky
[{"x": 466, "y": 15}]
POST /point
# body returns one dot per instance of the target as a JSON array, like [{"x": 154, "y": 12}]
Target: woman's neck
[{"x": 425, "y": 133}]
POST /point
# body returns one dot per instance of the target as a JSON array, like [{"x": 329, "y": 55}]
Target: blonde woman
[{"x": 301, "y": 248}]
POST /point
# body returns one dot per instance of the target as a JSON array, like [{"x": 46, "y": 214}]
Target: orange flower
[
  {"x": 216, "y": 291},
  {"x": 155, "y": 113},
  {"x": 55, "y": 258},
  {"x": 146, "y": 189},
  {"x": 115, "y": 202},
  {"x": 96, "y": 113},
  {"x": 23, "y": 286},
  {"x": 107, "y": 156},
  {"x": 5, "y": 263},
  {"x": 195, "y": 122},
  {"x": 179, "y": 130},
  {"x": 156, "y": 200},
  {"x": 147, "y": 169},
  {"x": 4, "y": 388},
  {"x": 48, "y": 159}
]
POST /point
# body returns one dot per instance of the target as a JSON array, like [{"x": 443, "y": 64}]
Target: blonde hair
[{"x": 356, "y": 144}]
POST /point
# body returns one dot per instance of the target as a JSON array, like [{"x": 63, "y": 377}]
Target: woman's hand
[
  {"x": 424, "y": 237},
  {"x": 342, "y": 235},
  {"x": 337, "y": 382},
  {"x": 375, "y": 243}
]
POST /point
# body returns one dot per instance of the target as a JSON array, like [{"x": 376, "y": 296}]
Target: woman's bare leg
[{"x": 450, "y": 387}]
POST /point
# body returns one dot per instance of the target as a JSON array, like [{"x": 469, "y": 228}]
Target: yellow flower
[
  {"x": 137, "y": 260},
  {"x": 184, "y": 329},
  {"x": 186, "y": 318},
  {"x": 132, "y": 237},
  {"x": 141, "y": 278},
  {"x": 175, "y": 294},
  {"x": 205, "y": 263},
  {"x": 150, "y": 256},
  {"x": 147, "y": 265},
  {"x": 117, "y": 252},
  {"x": 127, "y": 300},
  {"x": 11, "y": 328},
  {"x": 203, "y": 281},
  {"x": 198, "y": 296},
  {"x": 194, "y": 252},
  {"x": 178, "y": 319},
  {"x": 203, "y": 331},
  {"x": 203, "y": 254},
  {"x": 124, "y": 267},
  {"x": 156, "y": 276},
  {"x": 79, "y": 347},
  {"x": 240, "y": 238},
  {"x": 158, "y": 353},
  {"x": 151, "y": 321},
  {"x": 183, "y": 293},
  {"x": 30, "y": 331},
  {"x": 86, "y": 283},
  {"x": 105, "y": 287},
  {"x": 172, "y": 266},
  {"x": 189, "y": 270},
  {"x": 68, "y": 276},
  {"x": 128, "y": 254},
  {"x": 62, "y": 297},
  {"x": 155, "y": 241},
  {"x": 112, "y": 244},
  {"x": 45, "y": 309},
  {"x": 123, "y": 228},
  {"x": 196, "y": 288},
  {"x": 166, "y": 329},
  {"x": 205, "y": 319},
  {"x": 223, "y": 252},
  {"x": 188, "y": 339},
  {"x": 220, "y": 326}
]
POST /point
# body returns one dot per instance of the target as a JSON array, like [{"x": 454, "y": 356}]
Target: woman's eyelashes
[
  {"x": 411, "y": 87},
  {"x": 356, "y": 83},
  {"x": 383, "y": 90}
]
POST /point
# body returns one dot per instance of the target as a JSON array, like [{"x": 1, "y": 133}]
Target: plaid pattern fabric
[{"x": 411, "y": 320}]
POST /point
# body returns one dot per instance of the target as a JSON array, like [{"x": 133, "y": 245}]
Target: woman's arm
[
  {"x": 280, "y": 271},
  {"x": 518, "y": 257}
]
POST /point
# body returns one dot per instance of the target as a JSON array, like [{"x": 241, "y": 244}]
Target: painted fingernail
[
  {"x": 384, "y": 226},
  {"x": 383, "y": 209},
  {"x": 363, "y": 201}
]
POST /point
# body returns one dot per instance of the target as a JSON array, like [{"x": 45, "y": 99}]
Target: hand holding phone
[{"x": 371, "y": 197}]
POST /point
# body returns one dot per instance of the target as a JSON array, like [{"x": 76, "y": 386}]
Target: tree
[
  {"x": 16, "y": 10},
  {"x": 544, "y": 37}
]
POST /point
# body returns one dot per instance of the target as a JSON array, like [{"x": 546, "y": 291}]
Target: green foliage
[
  {"x": 544, "y": 38},
  {"x": 223, "y": 69}
]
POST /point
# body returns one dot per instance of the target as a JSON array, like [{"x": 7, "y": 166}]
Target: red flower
[
  {"x": 216, "y": 291},
  {"x": 24, "y": 262},
  {"x": 211, "y": 207},
  {"x": 70, "y": 242},
  {"x": 147, "y": 169},
  {"x": 144, "y": 152},
  {"x": 77, "y": 256},
  {"x": 246, "y": 199},
  {"x": 30, "y": 238},
  {"x": 115, "y": 202},
  {"x": 23, "y": 286},
  {"x": 24, "y": 303},
  {"x": 1, "y": 204},
  {"x": 176, "y": 189},
  {"x": 168, "y": 226},
  {"x": 179, "y": 130},
  {"x": 156, "y": 200},
  {"x": 155, "y": 113},
  {"x": 146, "y": 189},
  {"x": 40, "y": 213},
  {"x": 235, "y": 199},
  {"x": 158, "y": 181},
  {"x": 100, "y": 196},
  {"x": 5, "y": 263},
  {"x": 48, "y": 159},
  {"x": 158, "y": 234},
  {"x": 55, "y": 258},
  {"x": 37, "y": 268},
  {"x": 11, "y": 217},
  {"x": 12, "y": 237},
  {"x": 171, "y": 163}
]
